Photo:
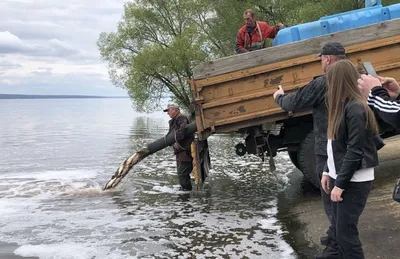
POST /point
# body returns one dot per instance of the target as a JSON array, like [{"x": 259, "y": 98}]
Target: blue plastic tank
[{"x": 339, "y": 22}]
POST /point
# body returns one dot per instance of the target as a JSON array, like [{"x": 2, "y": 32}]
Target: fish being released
[
  {"x": 125, "y": 167},
  {"x": 200, "y": 152}
]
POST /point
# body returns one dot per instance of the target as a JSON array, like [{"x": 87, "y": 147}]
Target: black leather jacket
[
  {"x": 354, "y": 147},
  {"x": 310, "y": 96}
]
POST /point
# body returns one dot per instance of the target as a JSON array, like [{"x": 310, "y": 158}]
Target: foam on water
[
  {"x": 165, "y": 189},
  {"x": 62, "y": 175},
  {"x": 62, "y": 212},
  {"x": 43, "y": 184},
  {"x": 69, "y": 251}
]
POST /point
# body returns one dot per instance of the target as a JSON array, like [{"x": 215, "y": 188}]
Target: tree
[
  {"x": 154, "y": 50},
  {"x": 159, "y": 42}
]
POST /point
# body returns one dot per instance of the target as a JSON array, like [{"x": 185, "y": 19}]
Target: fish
[{"x": 125, "y": 167}]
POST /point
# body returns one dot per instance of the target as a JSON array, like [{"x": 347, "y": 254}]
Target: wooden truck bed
[{"x": 235, "y": 92}]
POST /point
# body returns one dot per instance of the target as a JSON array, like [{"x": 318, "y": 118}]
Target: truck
[{"x": 234, "y": 94}]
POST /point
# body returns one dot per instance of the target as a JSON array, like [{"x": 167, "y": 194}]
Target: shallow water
[{"x": 57, "y": 154}]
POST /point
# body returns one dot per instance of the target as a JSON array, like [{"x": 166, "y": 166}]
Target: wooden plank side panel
[
  {"x": 200, "y": 83},
  {"x": 248, "y": 100},
  {"x": 295, "y": 50},
  {"x": 290, "y": 78}
]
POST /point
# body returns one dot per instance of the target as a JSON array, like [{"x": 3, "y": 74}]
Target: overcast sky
[{"x": 49, "y": 46}]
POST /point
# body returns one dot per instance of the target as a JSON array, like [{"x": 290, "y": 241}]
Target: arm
[
  {"x": 306, "y": 97},
  {"x": 384, "y": 107},
  {"x": 355, "y": 124},
  {"x": 326, "y": 169},
  {"x": 181, "y": 123},
  {"x": 239, "y": 44},
  {"x": 269, "y": 32}
]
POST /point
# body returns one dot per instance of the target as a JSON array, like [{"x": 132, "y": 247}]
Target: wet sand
[{"x": 379, "y": 224}]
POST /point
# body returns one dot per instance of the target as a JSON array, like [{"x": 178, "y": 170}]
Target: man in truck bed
[
  {"x": 312, "y": 96},
  {"x": 253, "y": 34}
]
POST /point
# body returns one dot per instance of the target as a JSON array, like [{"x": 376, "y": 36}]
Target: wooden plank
[
  {"x": 295, "y": 49},
  {"x": 304, "y": 60},
  {"x": 218, "y": 103}
]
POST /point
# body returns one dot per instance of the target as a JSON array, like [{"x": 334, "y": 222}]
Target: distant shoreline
[{"x": 28, "y": 96}]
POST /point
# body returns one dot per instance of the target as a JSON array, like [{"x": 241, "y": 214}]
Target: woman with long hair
[{"x": 352, "y": 155}]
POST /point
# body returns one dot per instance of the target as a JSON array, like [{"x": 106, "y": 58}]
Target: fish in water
[{"x": 125, "y": 167}]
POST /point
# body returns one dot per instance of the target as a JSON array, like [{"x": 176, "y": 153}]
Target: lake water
[{"x": 56, "y": 155}]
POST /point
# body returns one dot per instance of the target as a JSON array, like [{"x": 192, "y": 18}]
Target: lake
[{"x": 56, "y": 155}]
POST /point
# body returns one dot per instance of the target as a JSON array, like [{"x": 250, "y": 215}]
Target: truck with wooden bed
[{"x": 234, "y": 94}]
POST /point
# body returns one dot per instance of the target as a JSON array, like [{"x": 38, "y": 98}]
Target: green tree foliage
[
  {"x": 159, "y": 42},
  {"x": 153, "y": 51}
]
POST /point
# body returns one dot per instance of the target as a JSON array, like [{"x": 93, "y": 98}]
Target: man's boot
[
  {"x": 325, "y": 240},
  {"x": 331, "y": 251}
]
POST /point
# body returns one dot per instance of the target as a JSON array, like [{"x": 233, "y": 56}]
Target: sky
[{"x": 49, "y": 46}]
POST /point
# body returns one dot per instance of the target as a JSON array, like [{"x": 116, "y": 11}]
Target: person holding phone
[
  {"x": 383, "y": 96},
  {"x": 312, "y": 96},
  {"x": 352, "y": 155}
]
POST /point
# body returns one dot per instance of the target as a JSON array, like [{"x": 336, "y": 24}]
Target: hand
[
  {"x": 366, "y": 83},
  {"x": 278, "y": 92},
  {"x": 143, "y": 151},
  {"x": 336, "y": 194},
  {"x": 391, "y": 85},
  {"x": 175, "y": 146},
  {"x": 280, "y": 26},
  {"x": 325, "y": 183}
]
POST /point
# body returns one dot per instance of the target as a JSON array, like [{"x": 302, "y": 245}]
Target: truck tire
[
  {"x": 294, "y": 157},
  {"x": 306, "y": 159}
]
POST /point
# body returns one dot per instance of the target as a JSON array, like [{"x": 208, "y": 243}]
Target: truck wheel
[
  {"x": 294, "y": 157},
  {"x": 306, "y": 159}
]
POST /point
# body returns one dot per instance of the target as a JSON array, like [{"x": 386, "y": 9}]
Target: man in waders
[{"x": 181, "y": 147}]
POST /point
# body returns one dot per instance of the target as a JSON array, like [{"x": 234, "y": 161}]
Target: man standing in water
[{"x": 181, "y": 147}]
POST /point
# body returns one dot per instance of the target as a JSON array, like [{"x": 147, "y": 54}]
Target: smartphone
[{"x": 369, "y": 69}]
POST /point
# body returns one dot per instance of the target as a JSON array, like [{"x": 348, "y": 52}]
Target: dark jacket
[
  {"x": 307, "y": 97},
  {"x": 384, "y": 107},
  {"x": 182, "y": 148},
  {"x": 354, "y": 147}
]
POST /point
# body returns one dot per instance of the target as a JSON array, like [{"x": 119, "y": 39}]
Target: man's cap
[
  {"x": 171, "y": 105},
  {"x": 332, "y": 48}
]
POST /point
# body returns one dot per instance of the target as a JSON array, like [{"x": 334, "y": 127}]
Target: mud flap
[
  {"x": 201, "y": 161},
  {"x": 272, "y": 166}
]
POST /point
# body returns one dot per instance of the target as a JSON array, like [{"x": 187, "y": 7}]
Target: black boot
[
  {"x": 331, "y": 251},
  {"x": 325, "y": 240}
]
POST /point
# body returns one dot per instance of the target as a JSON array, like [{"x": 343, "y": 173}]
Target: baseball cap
[
  {"x": 171, "y": 105},
  {"x": 332, "y": 48}
]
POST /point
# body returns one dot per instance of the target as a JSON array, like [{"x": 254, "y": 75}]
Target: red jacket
[{"x": 261, "y": 32}]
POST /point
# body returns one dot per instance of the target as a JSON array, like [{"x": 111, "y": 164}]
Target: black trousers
[
  {"x": 345, "y": 218},
  {"x": 184, "y": 169},
  {"x": 326, "y": 198}
]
